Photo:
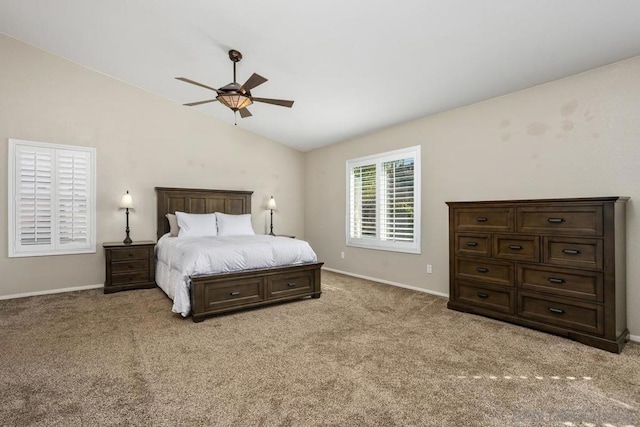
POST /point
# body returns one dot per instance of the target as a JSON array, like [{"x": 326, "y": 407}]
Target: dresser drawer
[
  {"x": 234, "y": 292},
  {"x": 577, "y": 220},
  {"x": 284, "y": 285},
  {"x": 518, "y": 248},
  {"x": 486, "y": 271},
  {"x": 129, "y": 253},
  {"x": 483, "y": 219},
  {"x": 493, "y": 298},
  {"x": 133, "y": 277},
  {"x": 473, "y": 244},
  {"x": 130, "y": 266},
  {"x": 584, "y": 253},
  {"x": 581, "y": 316},
  {"x": 587, "y": 285}
]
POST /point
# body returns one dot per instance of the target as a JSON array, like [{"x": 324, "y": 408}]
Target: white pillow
[
  {"x": 234, "y": 225},
  {"x": 196, "y": 225}
]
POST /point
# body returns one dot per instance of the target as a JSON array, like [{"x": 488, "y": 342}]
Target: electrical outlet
[
  {"x": 342, "y": 255},
  {"x": 429, "y": 268}
]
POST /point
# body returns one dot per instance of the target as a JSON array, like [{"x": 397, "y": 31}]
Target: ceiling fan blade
[
  {"x": 244, "y": 113},
  {"x": 191, "y": 104},
  {"x": 254, "y": 80},
  {"x": 186, "y": 80},
  {"x": 280, "y": 102}
]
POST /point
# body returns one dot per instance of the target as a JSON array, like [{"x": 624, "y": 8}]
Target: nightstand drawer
[
  {"x": 130, "y": 266},
  {"x": 134, "y": 277},
  {"x": 129, "y": 253}
]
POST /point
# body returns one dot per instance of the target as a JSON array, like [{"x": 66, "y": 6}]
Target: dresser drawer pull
[
  {"x": 292, "y": 284},
  {"x": 472, "y": 244},
  {"x": 482, "y": 270},
  {"x": 515, "y": 247},
  {"x": 235, "y": 294},
  {"x": 571, "y": 251},
  {"x": 130, "y": 265},
  {"x": 556, "y": 220},
  {"x": 556, "y": 310},
  {"x": 482, "y": 219},
  {"x": 555, "y": 280},
  {"x": 482, "y": 295}
]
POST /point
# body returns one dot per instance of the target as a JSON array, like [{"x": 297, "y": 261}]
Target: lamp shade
[
  {"x": 271, "y": 204},
  {"x": 126, "y": 201},
  {"x": 235, "y": 101}
]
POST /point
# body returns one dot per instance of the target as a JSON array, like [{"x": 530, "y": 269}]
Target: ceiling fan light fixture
[{"x": 235, "y": 101}]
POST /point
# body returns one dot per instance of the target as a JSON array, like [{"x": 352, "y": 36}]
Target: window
[
  {"x": 383, "y": 201},
  {"x": 51, "y": 199}
]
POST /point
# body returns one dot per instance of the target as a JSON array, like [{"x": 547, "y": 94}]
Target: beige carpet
[{"x": 364, "y": 354}]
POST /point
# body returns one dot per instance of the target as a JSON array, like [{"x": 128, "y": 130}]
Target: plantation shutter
[
  {"x": 51, "y": 199},
  {"x": 33, "y": 207},
  {"x": 383, "y": 206}
]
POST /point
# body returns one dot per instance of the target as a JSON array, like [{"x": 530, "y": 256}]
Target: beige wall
[
  {"x": 576, "y": 137},
  {"x": 142, "y": 141}
]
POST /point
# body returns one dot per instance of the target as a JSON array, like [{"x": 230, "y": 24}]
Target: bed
[{"x": 211, "y": 294}]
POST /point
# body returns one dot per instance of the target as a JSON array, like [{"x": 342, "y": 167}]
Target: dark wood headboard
[{"x": 193, "y": 200}]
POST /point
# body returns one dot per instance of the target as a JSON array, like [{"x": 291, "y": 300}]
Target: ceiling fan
[{"x": 235, "y": 96}]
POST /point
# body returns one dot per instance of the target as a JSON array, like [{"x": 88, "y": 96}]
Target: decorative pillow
[
  {"x": 196, "y": 225},
  {"x": 234, "y": 225},
  {"x": 173, "y": 225}
]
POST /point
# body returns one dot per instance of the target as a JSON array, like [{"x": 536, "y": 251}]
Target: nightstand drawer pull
[
  {"x": 131, "y": 266},
  {"x": 571, "y": 251},
  {"x": 555, "y": 280},
  {"x": 556, "y": 220},
  {"x": 515, "y": 247},
  {"x": 235, "y": 294},
  {"x": 472, "y": 244},
  {"x": 482, "y": 295},
  {"x": 130, "y": 253},
  {"x": 556, "y": 310},
  {"x": 482, "y": 270},
  {"x": 292, "y": 284},
  {"x": 482, "y": 219}
]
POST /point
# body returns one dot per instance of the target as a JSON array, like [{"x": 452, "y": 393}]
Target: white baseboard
[
  {"x": 387, "y": 282},
  {"x": 634, "y": 338},
  {"x": 50, "y": 291}
]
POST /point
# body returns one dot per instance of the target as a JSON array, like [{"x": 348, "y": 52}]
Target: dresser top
[{"x": 541, "y": 201}]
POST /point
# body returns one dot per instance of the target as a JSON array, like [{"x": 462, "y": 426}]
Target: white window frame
[
  {"x": 376, "y": 242},
  {"x": 55, "y": 247}
]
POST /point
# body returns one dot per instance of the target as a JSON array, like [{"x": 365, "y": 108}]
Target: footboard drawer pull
[
  {"x": 472, "y": 244},
  {"x": 571, "y": 251},
  {"x": 515, "y": 247},
  {"x": 291, "y": 285},
  {"x": 235, "y": 294},
  {"x": 482, "y": 270},
  {"x": 556, "y": 310},
  {"x": 555, "y": 280},
  {"x": 556, "y": 220},
  {"x": 482, "y": 295},
  {"x": 482, "y": 219}
]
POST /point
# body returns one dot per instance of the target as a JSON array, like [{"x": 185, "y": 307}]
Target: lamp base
[{"x": 127, "y": 240}]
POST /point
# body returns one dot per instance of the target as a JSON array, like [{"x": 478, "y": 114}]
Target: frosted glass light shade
[
  {"x": 126, "y": 201},
  {"x": 271, "y": 204}
]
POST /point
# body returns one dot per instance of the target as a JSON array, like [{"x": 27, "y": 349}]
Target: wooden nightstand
[
  {"x": 286, "y": 235},
  {"x": 129, "y": 266}
]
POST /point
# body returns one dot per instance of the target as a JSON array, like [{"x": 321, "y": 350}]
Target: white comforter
[{"x": 181, "y": 257}]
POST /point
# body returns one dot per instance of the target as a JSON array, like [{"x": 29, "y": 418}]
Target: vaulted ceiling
[{"x": 352, "y": 67}]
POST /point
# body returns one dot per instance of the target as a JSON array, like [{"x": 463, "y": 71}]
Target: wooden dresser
[
  {"x": 129, "y": 266},
  {"x": 556, "y": 265}
]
